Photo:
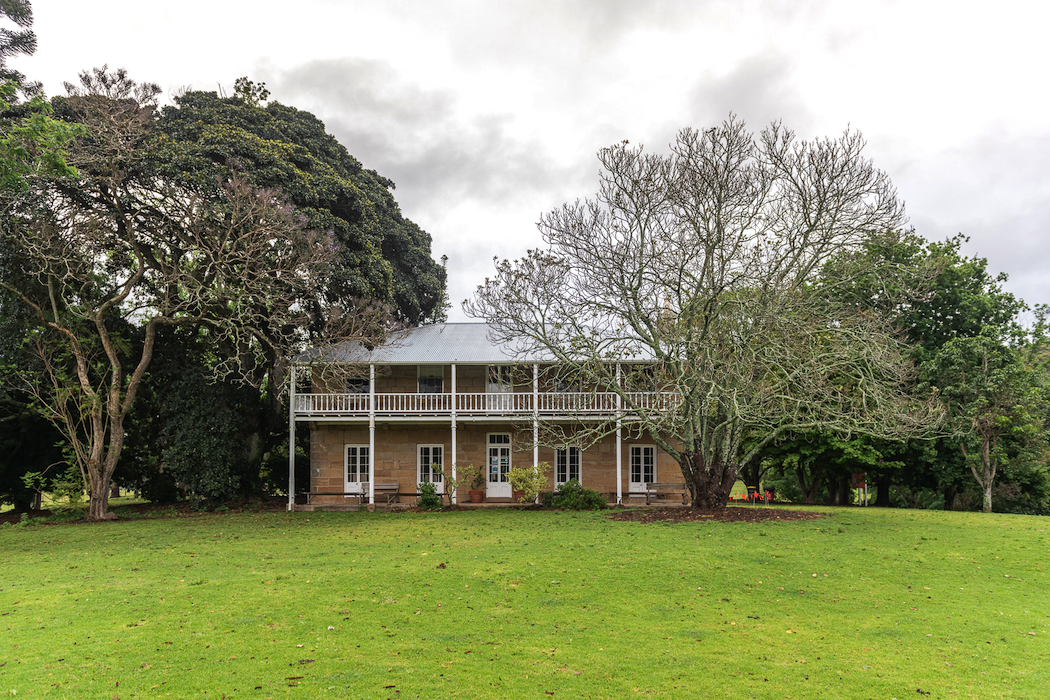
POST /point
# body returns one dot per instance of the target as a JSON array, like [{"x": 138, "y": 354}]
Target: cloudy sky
[{"x": 487, "y": 114}]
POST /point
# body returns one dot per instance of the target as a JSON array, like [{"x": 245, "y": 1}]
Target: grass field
[{"x": 867, "y": 603}]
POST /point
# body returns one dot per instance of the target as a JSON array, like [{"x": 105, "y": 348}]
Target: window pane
[
  {"x": 357, "y": 463},
  {"x": 431, "y": 379}
]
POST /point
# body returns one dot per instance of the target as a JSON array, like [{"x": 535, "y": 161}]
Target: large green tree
[
  {"x": 124, "y": 243},
  {"x": 32, "y": 144},
  {"x": 383, "y": 256},
  {"x": 937, "y": 296},
  {"x": 995, "y": 403}
]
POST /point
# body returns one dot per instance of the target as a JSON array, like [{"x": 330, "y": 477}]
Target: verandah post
[
  {"x": 536, "y": 418},
  {"x": 619, "y": 442},
  {"x": 291, "y": 440},
  {"x": 371, "y": 433},
  {"x": 454, "y": 494}
]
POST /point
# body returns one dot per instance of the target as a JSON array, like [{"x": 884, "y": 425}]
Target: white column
[
  {"x": 291, "y": 440},
  {"x": 619, "y": 441},
  {"x": 536, "y": 418},
  {"x": 535, "y": 414},
  {"x": 454, "y": 495},
  {"x": 371, "y": 433}
]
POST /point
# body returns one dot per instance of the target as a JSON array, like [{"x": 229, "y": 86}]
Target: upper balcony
[
  {"x": 520, "y": 405},
  {"x": 448, "y": 370}
]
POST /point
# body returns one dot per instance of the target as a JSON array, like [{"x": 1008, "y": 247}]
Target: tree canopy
[
  {"x": 706, "y": 261},
  {"x": 247, "y": 224},
  {"x": 205, "y": 138}
]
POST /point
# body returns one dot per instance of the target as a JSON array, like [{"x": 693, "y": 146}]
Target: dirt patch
[{"x": 722, "y": 515}]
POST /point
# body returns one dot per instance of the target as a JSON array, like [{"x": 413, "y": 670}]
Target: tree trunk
[
  {"x": 950, "y": 492},
  {"x": 845, "y": 492},
  {"x": 882, "y": 493},
  {"x": 710, "y": 483},
  {"x": 99, "y": 476},
  {"x": 809, "y": 491},
  {"x": 986, "y": 477}
]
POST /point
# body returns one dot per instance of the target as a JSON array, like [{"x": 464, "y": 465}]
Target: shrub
[
  {"x": 428, "y": 497},
  {"x": 572, "y": 496},
  {"x": 529, "y": 480}
]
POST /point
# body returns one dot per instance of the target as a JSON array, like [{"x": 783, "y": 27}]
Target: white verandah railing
[{"x": 510, "y": 404}]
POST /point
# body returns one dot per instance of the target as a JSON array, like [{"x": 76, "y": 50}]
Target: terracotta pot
[
  {"x": 516, "y": 495},
  {"x": 477, "y": 496}
]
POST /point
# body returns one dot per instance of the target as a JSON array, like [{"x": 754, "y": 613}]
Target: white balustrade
[{"x": 513, "y": 404}]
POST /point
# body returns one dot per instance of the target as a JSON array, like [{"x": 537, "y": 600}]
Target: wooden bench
[
  {"x": 653, "y": 490},
  {"x": 385, "y": 492},
  {"x": 388, "y": 491}
]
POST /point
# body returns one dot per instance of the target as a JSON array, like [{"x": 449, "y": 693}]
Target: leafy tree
[
  {"x": 382, "y": 257},
  {"x": 120, "y": 241},
  {"x": 936, "y": 296},
  {"x": 379, "y": 257},
  {"x": 705, "y": 261},
  {"x": 14, "y": 42},
  {"x": 995, "y": 404},
  {"x": 32, "y": 144},
  {"x": 823, "y": 461}
]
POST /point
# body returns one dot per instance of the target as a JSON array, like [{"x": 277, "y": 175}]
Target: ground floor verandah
[{"x": 356, "y": 463}]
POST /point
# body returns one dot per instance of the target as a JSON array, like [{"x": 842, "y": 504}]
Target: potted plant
[
  {"x": 477, "y": 483},
  {"x": 469, "y": 474},
  {"x": 527, "y": 482}
]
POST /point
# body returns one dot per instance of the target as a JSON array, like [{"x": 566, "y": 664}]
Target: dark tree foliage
[
  {"x": 386, "y": 257},
  {"x": 192, "y": 436},
  {"x": 28, "y": 442},
  {"x": 936, "y": 296},
  {"x": 216, "y": 438}
]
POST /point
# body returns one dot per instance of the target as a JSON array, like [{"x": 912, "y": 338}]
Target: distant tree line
[{"x": 987, "y": 364}]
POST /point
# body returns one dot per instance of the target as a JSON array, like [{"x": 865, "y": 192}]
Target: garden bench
[
  {"x": 388, "y": 491},
  {"x": 385, "y": 492},
  {"x": 654, "y": 490}
]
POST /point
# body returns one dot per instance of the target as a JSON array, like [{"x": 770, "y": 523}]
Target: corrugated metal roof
[{"x": 440, "y": 343}]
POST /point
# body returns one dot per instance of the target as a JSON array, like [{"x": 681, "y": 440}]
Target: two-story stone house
[{"x": 446, "y": 394}]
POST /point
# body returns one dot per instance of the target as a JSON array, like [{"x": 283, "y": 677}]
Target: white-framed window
[
  {"x": 357, "y": 385},
  {"x": 431, "y": 379},
  {"x": 501, "y": 376},
  {"x": 429, "y": 456},
  {"x": 499, "y": 458},
  {"x": 358, "y": 464},
  {"x": 643, "y": 465},
  {"x": 567, "y": 465}
]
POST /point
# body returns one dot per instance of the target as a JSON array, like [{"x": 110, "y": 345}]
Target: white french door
[
  {"x": 430, "y": 463},
  {"x": 498, "y": 470},
  {"x": 567, "y": 465},
  {"x": 358, "y": 468},
  {"x": 643, "y": 467}
]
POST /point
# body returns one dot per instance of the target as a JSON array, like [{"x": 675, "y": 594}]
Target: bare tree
[
  {"x": 704, "y": 264},
  {"x": 120, "y": 246}
]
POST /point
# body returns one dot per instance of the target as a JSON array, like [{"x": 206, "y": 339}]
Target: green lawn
[{"x": 868, "y": 603}]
